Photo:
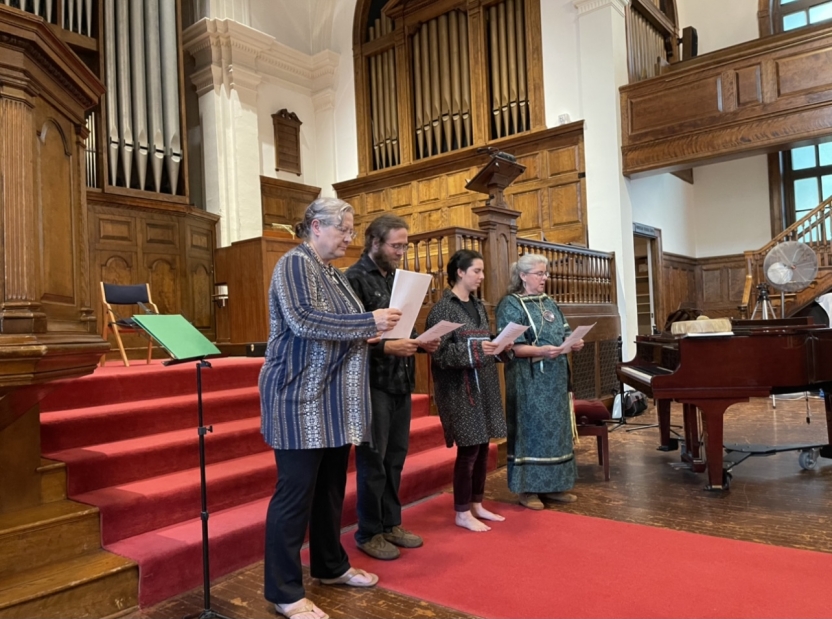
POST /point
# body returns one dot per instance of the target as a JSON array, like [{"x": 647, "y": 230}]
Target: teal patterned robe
[{"x": 540, "y": 448}]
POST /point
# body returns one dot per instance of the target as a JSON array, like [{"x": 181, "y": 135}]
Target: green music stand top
[{"x": 177, "y": 336}]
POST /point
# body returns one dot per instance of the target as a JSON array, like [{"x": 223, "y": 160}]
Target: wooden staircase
[
  {"x": 815, "y": 229},
  {"x": 52, "y": 563}
]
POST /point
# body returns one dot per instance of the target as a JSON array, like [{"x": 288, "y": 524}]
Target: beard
[{"x": 383, "y": 262}]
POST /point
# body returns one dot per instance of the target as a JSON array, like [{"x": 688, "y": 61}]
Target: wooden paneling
[
  {"x": 284, "y": 202},
  {"x": 171, "y": 247},
  {"x": 431, "y": 194},
  {"x": 712, "y": 285},
  {"x": 246, "y": 268},
  {"x": 760, "y": 96}
]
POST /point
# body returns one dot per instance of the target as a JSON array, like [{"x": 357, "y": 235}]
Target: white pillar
[
  {"x": 603, "y": 69},
  {"x": 226, "y": 81}
]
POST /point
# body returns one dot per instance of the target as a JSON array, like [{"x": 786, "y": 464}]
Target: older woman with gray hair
[
  {"x": 541, "y": 463},
  {"x": 315, "y": 404}
]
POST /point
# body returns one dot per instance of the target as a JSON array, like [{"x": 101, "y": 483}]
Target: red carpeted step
[
  {"x": 170, "y": 558},
  {"x": 147, "y": 504},
  {"x": 79, "y": 427},
  {"x": 121, "y": 462},
  {"x": 115, "y": 383},
  {"x": 420, "y": 405}
]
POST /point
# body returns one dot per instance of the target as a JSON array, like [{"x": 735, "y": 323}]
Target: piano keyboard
[{"x": 644, "y": 374}]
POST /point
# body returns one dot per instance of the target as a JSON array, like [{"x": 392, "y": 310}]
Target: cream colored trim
[
  {"x": 588, "y": 6},
  {"x": 232, "y": 55}
]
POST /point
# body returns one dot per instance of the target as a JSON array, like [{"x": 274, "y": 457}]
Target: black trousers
[
  {"x": 379, "y": 466},
  {"x": 310, "y": 491},
  {"x": 470, "y": 470}
]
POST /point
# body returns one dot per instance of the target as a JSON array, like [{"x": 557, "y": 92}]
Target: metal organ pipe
[
  {"x": 155, "y": 124},
  {"x": 138, "y": 76},
  {"x": 125, "y": 108},
  {"x": 170, "y": 90}
]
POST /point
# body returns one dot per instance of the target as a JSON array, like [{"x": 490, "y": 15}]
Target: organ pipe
[
  {"x": 507, "y": 60},
  {"x": 139, "y": 76},
  {"x": 155, "y": 125},
  {"x": 170, "y": 90},
  {"x": 440, "y": 84}
]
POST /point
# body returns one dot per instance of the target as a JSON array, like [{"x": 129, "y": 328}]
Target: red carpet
[
  {"x": 552, "y": 564},
  {"x": 128, "y": 437}
]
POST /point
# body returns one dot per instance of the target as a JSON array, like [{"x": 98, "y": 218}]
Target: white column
[
  {"x": 603, "y": 69},
  {"x": 226, "y": 81}
]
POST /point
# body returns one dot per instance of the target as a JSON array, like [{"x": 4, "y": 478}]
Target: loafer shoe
[
  {"x": 379, "y": 548},
  {"x": 560, "y": 497},
  {"x": 531, "y": 500},
  {"x": 403, "y": 537}
]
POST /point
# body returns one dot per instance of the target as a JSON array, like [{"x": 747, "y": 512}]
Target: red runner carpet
[{"x": 553, "y": 564}]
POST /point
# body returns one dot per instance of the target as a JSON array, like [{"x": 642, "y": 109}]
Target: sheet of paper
[
  {"x": 438, "y": 330},
  {"x": 409, "y": 291},
  {"x": 509, "y": 333},
  {"x": 577, "y": 335}
]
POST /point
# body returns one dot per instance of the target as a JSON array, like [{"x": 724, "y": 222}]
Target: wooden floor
[{"x": 771, "y": 501}]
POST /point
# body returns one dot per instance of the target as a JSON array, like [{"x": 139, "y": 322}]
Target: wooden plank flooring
[{"x": 771, "y": 501}]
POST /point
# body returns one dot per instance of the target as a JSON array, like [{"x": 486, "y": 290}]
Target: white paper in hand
[
  {"x": 509, "y": 333},
  {"x": 576, "y": 336},
  {"x": 438, "y": 330},
  {"x": 409, "y": 291}
]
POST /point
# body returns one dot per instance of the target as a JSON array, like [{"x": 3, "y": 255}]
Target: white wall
[
  {"x": 288, "y": 21},
  {"x": 732, "y": 210},
  {"x": 561, "y": 77},
  {"x": 719, "y": 23},
  {"x": 272, "y": 97},
  {"x": 346, "y": 146},
  {"x": 666, "y": 202},
  {"x": 731, "y": 201}
]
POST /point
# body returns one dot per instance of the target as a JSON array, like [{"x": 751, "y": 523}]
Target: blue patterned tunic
[
  {"x": 314, "y": 391},
  {"x": 540, "y": 448}
]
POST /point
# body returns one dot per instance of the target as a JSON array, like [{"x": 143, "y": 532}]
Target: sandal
[
  {"x": 352, "y": 578},
  {"x": 308, "y": 607}
]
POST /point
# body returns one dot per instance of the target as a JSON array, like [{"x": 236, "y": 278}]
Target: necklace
[{"x": 548, "y": 315}]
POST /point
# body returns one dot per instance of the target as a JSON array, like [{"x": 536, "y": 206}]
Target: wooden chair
[
  {"x": 591, "y": 420},
  {"x": 114, "y": 294}
]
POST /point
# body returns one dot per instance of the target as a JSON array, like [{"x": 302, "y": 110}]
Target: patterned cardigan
[
  {"x": 466, "y": 384},
  {"x": 314, "y": 391}
]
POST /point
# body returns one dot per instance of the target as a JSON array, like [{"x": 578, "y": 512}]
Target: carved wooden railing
[
  {"x": 578, "y": 275},
  {"x": 429, "y": 253},
  {"x": 815, "y": 229}
]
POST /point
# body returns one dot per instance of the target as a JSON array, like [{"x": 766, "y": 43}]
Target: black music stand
[{"x": 185, "y": 343}]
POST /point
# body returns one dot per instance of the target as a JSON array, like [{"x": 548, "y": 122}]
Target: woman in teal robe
[{"x": 541, "y": 461}]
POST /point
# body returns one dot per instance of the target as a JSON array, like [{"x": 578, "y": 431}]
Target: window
[
  {"x": 807, "y": 179},
  {"x": 795, "y": 14}
]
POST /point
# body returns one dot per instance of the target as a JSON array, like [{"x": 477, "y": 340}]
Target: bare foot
[
  {"x": 466, "y": 520},
  {"x": 480, "y": 512}
]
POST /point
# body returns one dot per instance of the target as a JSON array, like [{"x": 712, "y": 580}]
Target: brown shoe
[
  {"x": 379, "y": 548},
  {"x": 531, "y": 500},
  {"x": 560, "y": 497},
  {"x": 403, "y": 537}
]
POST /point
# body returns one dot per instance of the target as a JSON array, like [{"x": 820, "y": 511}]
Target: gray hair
[
  {"x": 329, "y": 211},
  {"x": 525, "y": 264}
]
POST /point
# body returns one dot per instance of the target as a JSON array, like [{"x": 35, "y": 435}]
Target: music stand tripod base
[{"x": 186, "y": 344}]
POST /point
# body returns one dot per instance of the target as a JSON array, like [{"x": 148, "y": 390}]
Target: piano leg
[
  {"x": 663, "y": 413},
  {"x": 713, "y": 412},
  {"x": 692, "y": 454}
]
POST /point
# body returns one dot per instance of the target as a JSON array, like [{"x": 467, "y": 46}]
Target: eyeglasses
[
  {"x": 348, "y": 233},
  {"x": 402, "y": 247},
  {"x": 540, "y": 274}
]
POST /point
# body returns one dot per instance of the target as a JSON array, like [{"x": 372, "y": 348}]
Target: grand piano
[{"x": 709, "y": 373}]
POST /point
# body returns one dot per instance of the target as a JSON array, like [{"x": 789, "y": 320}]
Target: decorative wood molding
[
  {"x": 431, "y": 194},
  {"x": 747, "y": 99}
]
